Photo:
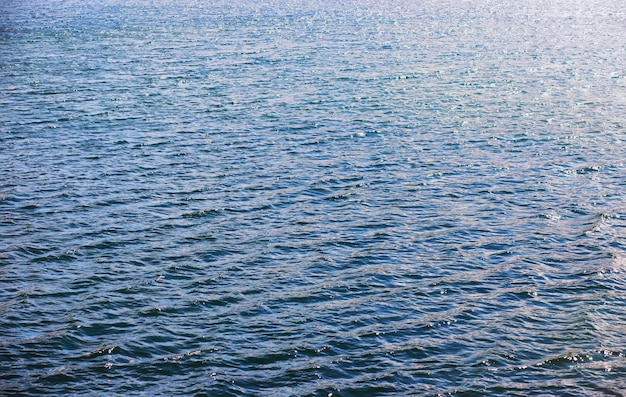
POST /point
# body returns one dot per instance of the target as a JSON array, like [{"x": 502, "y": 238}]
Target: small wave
[
  {"x": 201, "y": 213},
  {"x": 598, "y": 222}
]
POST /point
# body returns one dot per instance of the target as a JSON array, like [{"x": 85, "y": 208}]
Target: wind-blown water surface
[{"x": 312, "y": 198}]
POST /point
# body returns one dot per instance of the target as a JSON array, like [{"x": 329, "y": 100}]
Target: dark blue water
[{"x": 312, "y": 198}]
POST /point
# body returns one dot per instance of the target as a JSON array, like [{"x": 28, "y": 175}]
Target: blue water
[{"x": 312, "y": 198}]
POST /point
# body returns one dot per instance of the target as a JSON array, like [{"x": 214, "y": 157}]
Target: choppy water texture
[{"x": 312, "y": 198}]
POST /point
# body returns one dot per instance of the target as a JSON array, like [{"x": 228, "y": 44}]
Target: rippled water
[{"x": 346, "y": 198}]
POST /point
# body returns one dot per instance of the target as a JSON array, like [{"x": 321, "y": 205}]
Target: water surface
[{"x": 347, "y": 198}]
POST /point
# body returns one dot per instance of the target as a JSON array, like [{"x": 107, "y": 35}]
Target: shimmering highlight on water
[{"x": 346, "y": 198}]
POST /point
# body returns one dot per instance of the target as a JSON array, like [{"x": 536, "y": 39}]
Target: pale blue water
[{"x": 312, "y": 198}]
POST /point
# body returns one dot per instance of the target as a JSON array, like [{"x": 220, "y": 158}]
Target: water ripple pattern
[{"x": 292, "y": 198}]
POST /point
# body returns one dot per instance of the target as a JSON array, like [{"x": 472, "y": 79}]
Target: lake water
[{"x": 350, "y": 198}]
